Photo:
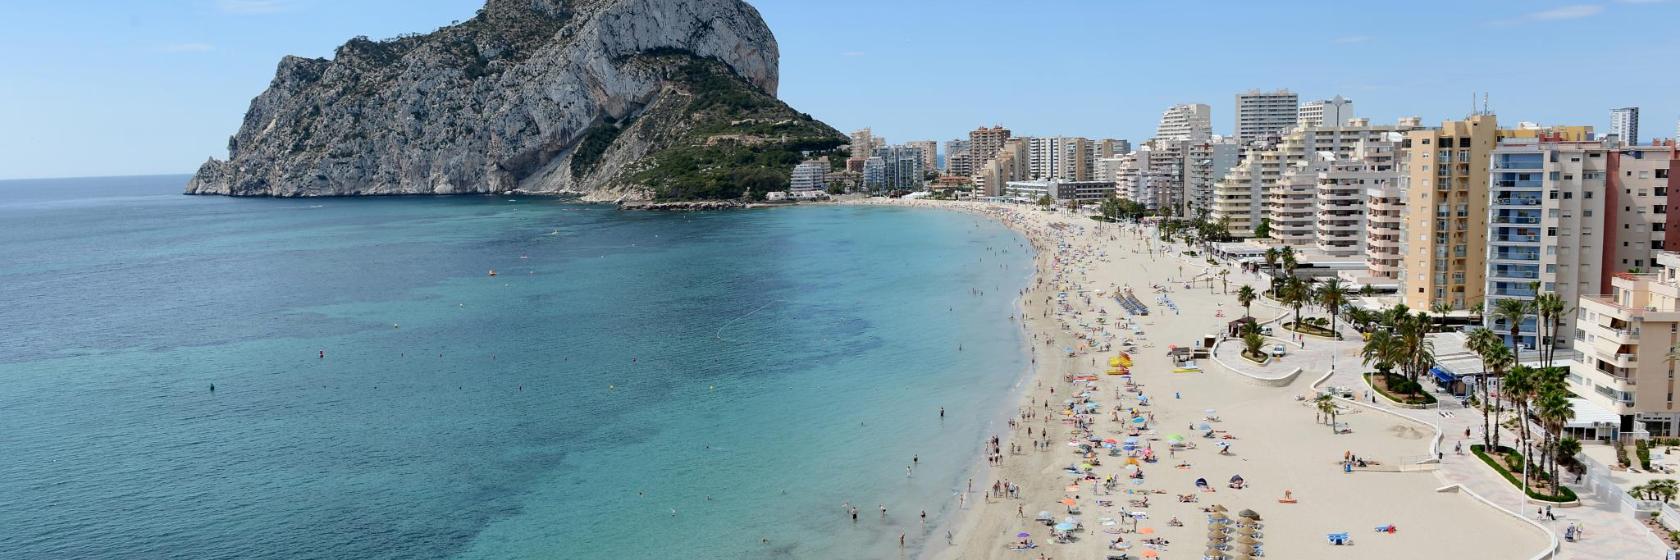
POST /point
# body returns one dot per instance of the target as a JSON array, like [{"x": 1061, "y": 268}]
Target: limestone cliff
[{"x": 645, "y": 99}]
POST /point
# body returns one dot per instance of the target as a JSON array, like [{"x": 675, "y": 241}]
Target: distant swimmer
[
  {"x": 212, "y": 387},
  {"x": 323, "y": 354}
]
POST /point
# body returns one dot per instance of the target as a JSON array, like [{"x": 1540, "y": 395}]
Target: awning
[
  {"x": 1442, "y": 375},
  {"x": 1589, "y": 414}
]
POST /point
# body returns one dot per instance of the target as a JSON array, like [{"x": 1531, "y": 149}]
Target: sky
[{"x": 108, "y": 87}]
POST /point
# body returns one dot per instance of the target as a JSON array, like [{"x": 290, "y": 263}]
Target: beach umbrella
[
  {"x": 1069, "y": 502},
  {"x": 1022, "y": 535},
  {"x": 1245, "y": 539},
  {"x": 1139, "y": 420},
  {"x": 1219, "y": 508},
  {"x": 1175, "y": 438},
  {"x": 1073, "y": 488},
  {"x": 1151, "y": 554},
  {"x": 1249, "y": 513},
  {"x": 1044, "y": 515},
  {"x": 1213, "y": 553},
  {"x": 1111, "y": 440},
  {"x": 1146, "y": 531},
  {"x": 1245, "y": 529},
  {"x": 1204, "y": 426},
  {"x": 1064, "y": 527}
]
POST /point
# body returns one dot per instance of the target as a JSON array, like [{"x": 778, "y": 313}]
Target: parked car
[{"x": 1277, "y": 351}]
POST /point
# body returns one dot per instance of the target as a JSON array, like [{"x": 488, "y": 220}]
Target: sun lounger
[{"x": 1340, "y": 539}]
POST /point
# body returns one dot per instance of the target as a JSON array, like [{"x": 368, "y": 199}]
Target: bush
[
  {"x": 1564, "y": 493},
  {"x": 1642, "y": 450},
  {"x": 1622, "y": 454},
  {"x": 1514, "y": 461}
]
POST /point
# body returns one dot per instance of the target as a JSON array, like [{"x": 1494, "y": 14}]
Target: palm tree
[
  {"x": 1245, "y": 298},
  {"x": 1500, "y": 360},
  {"x": 1288, "y": 258},
  {"x": 1224, "y": 285},
  {"x": 1552, "y": 311},
  {"x": 1252, "y": 343},
  {"x": 1567, "y": 449},
  {"x": 1519, "y": 386},
  {"x": 1332, "y": 295},
  {"x": 1482, "y": 341},
  {"x": 1512, "y": 311},
  {"x": 1555, "y": 411},
  {"x": 1441, "y": 309},
  {"x": 1272, "y": 256},
  {"x": 1380, "y": 349},
  {"x": 1477, "y": 309},
  {"x": 1327, "y": 406},
  {"x": 1295, "y": 293}
]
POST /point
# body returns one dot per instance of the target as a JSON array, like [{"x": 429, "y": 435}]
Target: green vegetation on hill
[{"x": 729, "y": 137}]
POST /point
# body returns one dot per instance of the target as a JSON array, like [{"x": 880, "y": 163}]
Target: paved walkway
[{"x": 1609, "y": 533}]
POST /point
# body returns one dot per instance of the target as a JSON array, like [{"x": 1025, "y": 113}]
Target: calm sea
[{"x": 629, "y": 385}]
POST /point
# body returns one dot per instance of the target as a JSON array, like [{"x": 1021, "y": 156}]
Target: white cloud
[
  {"x": 187, "y": 48},
  {"x": 1576, "y": 11},
  {"x": 249, "y": 7},
  {"x": 1351, "y": 39},
  {"x": 1560, "y": 13}
]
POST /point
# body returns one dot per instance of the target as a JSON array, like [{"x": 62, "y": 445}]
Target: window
[
  {"x": 1662, "y": 173},
  {"x": 1568, "y": 195},
  {"x": 1586, "y": 213},
  {"x": 1660, "y": 191},
  {"x": 1660, "y": 209},
  {"x": 1644, "y": 174},
  {"x": 1659, "y": 226},
  {"x": 1551, "y": 232},
  {"x": 1587, "y": 195},
  {"x": 1656, "y": 244}
]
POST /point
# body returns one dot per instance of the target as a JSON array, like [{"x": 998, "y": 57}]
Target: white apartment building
[
  {"x": 1245, "y": 194},
  {"x": 1289, "y": 202},
  {"x": 1624, "y": 338},
  {"x": 1624, "y": 123},
  {"x": 809, "y": 176},
  {"x": 1546, "y": 225},
  {"x": 1260, "y": 114},
  {"x": 930, "y": 154},
  {"x": 1190, "y": 121},
  {"x": 1385, "y": 207},
  {"x": 1060, "y": 191},
  {"x": 1341, "y": 203},
  {"x": 1323, "y": 112}
]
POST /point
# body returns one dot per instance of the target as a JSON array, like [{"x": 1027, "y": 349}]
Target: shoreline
[{"x": 1088, "y": 256}]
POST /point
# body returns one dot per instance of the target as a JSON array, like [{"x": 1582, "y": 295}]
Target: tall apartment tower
[
  {"x": 930, "y": 154},
  {"x": 1261, "y": 114},
  {"x": 1548, "y": 225},
  {"x": 863, "y": 143},
  {"x": 984, "y": 143},
  {"x": 1642, "y": 186},
  {"x": 1624, "y": 123},
  {"x": 1192, "y": 121},
  {"x": 1334, "y": 111},
  {"x": 1447, "y": 212}
]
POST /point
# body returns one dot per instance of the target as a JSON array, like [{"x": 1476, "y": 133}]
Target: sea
[{"x": 211, "y": 377}]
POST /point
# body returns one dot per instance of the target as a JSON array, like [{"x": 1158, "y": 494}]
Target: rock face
[{"x": 638, "y": 99}]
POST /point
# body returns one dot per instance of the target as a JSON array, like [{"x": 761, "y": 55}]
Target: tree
[
  {"x": 1272, "y": 256},
  {"x": 1288, "y": 258},
  {"x": 1519, "y": 386},
  {"x": 1263, "y": 230},
  {"x": 1327, "y": 406},
  {"x": 1295, "y": 294},
  {"x": 1224, "y": 284},
  {"x": 1332, "y": 295},
  {"x": 1552, "y": 310},
  {"x": 1380, "y": 349},
  {"x": 1483, "y": 342},
  {"x": 1512, "y": 311},
  {"x": 1245, "y": 298},
  {"x": 1554, "y": 410},
  {"x": 1441, "y": 309},
  {"x": 1110, "y": 208},
  {"x": 1500, "y": 361},
  {"x": 1478, "y": 309},
  {"x": 1252, "y": 344},
  {"x": 1045, "y": 202}
]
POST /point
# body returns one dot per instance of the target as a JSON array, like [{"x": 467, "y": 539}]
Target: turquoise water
[{"x": 751, "y": 370}]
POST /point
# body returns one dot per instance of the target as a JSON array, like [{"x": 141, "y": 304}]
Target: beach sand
[{"x": 1279, "y": 444}]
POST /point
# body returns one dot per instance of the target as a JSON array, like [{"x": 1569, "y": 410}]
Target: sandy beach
[{"x": 1276, "y": 442}]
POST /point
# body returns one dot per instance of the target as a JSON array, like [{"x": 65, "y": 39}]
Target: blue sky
[{"x": 104, "y": 87}]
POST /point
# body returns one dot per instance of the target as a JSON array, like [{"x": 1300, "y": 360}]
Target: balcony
[
  {"x": 1516, "y": 202},
  {"x": 1516, "y": 219},
  {"x": 1517, "y": 239}
]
